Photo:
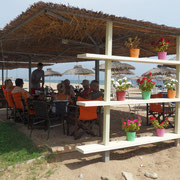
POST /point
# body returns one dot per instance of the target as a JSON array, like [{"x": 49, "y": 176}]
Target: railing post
[
  {"x": 30, "y": 74},
  {"x": 177, "y": 114},
  {"x": 107, "y": 89}
]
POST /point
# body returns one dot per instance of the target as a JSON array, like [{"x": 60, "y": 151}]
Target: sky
[{"x": 156, "y": 11}]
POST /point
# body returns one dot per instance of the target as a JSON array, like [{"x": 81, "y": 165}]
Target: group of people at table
[{"x": 65, "y": 91}]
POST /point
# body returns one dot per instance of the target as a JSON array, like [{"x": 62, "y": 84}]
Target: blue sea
[{"x": 101, "y": 82}]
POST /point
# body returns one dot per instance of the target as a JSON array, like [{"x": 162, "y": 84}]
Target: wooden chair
[
  {"x": 158, "y": 110},
  {"x": 85, "y": 118}
]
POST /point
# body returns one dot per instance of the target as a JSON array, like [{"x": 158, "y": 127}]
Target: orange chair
[
  {"x": 19, "y": 106},
  {"x": 158, "y": 110},
  {"x": 85, "y": 118}
]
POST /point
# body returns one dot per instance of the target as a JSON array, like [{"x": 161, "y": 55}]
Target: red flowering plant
[
  {"x": 159, "y": 125},
  {"x": 131, "y": 125},
  {"x": 161, "y": 45},
  {"x": 146, "y": 83}
]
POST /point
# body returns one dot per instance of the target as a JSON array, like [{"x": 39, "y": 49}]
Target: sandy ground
[{"x": 162, "y": 158}]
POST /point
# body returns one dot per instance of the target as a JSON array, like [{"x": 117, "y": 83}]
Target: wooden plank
[
  {"x": 113, "y": 145},
  {"x": 129, "y": 59},
  {"x": 126, "y": 102}
]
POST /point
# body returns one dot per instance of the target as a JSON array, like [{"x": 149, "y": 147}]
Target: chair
[
  {"x": 85, "y": 118},
  {"x": 158, "y": 110},
  {"x": 9, "y": 104},
  {"x": 45, "y": 116},
  {"x": 20, "y": 109}
]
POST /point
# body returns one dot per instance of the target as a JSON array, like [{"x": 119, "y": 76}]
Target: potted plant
[
  {"x": 146, "y": 84},
  {"x": 170, "y": 84},
  {"x": 132, "y": 44},
  {"x": 121, "y": 85},
  {"x": 160, "y": 127},
  {"x": 130, "y": 127},
  {"x": 161, "y": 47}
]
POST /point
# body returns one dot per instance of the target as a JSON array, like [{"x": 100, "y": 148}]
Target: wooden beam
[
  {"x": 29, "y": 54},
  {"x": 58, "y": 16},
  {"x": 78, "y": 42}
]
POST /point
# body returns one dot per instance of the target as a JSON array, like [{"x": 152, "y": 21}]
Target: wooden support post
[
  {"x": 97, "y": 65},
  {"x": 107, "y": 90},
  {"x": 30, "y": 74},
  {"x": 177, "y": 114}
]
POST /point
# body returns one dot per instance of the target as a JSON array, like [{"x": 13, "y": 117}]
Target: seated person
[
  {"x": 8, "y": 85},
  {"x": 69, "y": 90},
  {"x": 61, "y": 95},
  {"x": 86, "y": 89},
  {"x": 19, "y": 88},
  {"x": 94, "y": 90}
]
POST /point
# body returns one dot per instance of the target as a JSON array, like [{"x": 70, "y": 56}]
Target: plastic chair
[
  {"x": 85, "y": 118},
  {"x": 44, "y": 115}
]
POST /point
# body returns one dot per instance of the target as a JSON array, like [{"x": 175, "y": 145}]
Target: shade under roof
[{"x": 56, "y": 33}]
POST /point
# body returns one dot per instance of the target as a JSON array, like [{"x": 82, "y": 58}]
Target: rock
[
  {"x": 128, "y": 175},
  {"x": 140, "y": 157},
  {"x": 104, "y": 178},
  {"x": 153, "y": 175},
  {"x": 80, "y": 176}
]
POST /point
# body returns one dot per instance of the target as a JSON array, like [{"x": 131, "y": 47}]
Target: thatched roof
[
  {"x": 56, "y": 33},
  {"x": 14, "y": 65}
]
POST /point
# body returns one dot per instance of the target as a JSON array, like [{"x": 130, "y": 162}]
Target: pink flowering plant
[
  {"x": 131, "y": 125},
  {"x": 158, "y": 125},
  {"x": 146, "y": 83},
  {"x": 161, "y": 45}
]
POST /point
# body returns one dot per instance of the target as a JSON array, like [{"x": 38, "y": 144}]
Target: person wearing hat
[
  {"x": 86, "y": 89},
  {"x": 37, "y": 77}
]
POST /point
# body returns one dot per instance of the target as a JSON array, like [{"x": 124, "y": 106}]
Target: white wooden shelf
[
  {"x": 123, "y": 58},
  {"x": 113, "y": 145},
  {"x": 126, "y": 102}
]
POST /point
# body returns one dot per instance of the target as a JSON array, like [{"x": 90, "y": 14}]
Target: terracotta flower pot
[
  {"x": 162, "y": 55},
  {"x": 121, "y": 95},
  {"x": 134, "y": 52},
  {"x": 171, "y": 93}
]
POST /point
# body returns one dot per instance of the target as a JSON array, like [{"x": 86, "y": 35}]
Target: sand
[{"x": 162, "y": 158}]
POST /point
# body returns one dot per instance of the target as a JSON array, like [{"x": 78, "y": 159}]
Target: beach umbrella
[
  {"x": 120, "y": 72},
  {"x": 50, "y": 72},
  {"x": 117, "y": 66},
  {"x": 79, "y": 71},
  {"x": 160, "y": 71}
]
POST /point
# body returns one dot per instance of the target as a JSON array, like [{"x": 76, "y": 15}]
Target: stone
[
  {"x": 152, "y": 175},
  {"x": 80, "y": 176},
  {"x": 104, "y": 178},
  {"x": 128, "y": 175}
]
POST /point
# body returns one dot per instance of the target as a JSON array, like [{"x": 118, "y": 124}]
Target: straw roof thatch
[
  {"x": 14, "y": 65},
  {"x": 56, "y": 33}
]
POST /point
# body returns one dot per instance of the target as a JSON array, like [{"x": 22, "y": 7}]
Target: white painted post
[
  {"x": 177, "y": 115},
  {"x": 107, "y": 90}
]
